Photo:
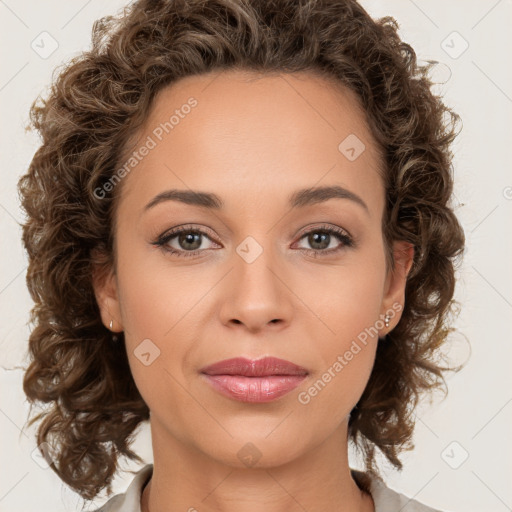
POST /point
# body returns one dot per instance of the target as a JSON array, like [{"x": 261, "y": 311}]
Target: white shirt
[{"x": 385, "y": 499}]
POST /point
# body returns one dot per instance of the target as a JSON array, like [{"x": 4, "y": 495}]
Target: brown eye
[
  {"x": 183, "y": 241},
  {"x": 322, "y": 240},
  {"x": 189, "y": 241}
]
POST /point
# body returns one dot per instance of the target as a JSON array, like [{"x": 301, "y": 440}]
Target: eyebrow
[{"x": 299, "y": 199}]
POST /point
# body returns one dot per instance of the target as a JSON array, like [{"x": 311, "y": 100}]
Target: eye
[
  {"x": 185, "y": 241},
  {"x": 322, "y": 238},
  {"x": 189, "y": 241}
]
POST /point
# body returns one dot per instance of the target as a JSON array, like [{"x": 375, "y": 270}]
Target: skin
[{"x": 253, "y": 140}]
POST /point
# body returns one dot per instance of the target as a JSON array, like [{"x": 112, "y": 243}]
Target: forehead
[
  {"x": 257, "y": 133},
  {"x": 240, "y": 103}
]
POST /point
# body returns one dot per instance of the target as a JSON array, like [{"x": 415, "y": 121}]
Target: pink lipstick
[{"x": 262, "y": 380}]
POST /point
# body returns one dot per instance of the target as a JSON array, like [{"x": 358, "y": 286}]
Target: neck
[{"x": 185, "y": 478}]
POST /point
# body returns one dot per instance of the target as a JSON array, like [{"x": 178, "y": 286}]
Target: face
[{"x": 258, "y": 270}]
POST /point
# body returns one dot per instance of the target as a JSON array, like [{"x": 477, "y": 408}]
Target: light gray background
[{"x": 477, "y": 84}]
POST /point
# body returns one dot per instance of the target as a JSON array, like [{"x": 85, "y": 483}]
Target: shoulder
[
  {"x": 385, "y": 498},
  {"x": 129, "y": 501}
]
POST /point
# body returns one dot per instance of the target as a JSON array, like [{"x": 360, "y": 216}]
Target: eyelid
[
  {"x": 191, "y": 227},
  {"x": 341, "y": 234},
  {"x": 176, "y": 230},
  {"x": 323, "y": 226}
]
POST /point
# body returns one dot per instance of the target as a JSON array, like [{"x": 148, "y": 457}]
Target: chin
[{"x": 255, "y": 449}]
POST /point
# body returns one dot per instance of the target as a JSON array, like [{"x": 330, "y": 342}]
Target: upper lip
[{"x": 254, "y": 368}]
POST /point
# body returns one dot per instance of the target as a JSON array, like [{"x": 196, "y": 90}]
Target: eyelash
[{"x": 339, "y": 233}]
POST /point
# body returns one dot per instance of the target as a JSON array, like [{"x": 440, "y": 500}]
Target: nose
[{"x": 257, "y": 293}]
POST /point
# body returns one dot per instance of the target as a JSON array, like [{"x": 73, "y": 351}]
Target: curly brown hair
[{"x": 97, "y": 103}]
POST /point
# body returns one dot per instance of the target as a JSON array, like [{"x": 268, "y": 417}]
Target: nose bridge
[
  {"x": 256, "y": 263},
  {"x": 257, "y": 291}
]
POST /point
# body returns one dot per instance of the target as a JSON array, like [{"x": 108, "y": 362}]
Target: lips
[
  {"x": 257, "y": 381},
  {"x": 264, "y": 367}
]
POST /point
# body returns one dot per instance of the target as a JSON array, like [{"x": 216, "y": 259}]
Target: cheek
[
  {"x": 149, "y": 309},
  {"x": 347, "y": 357},
  {"x": 150, "y": 295},
  {"x": 349, "y": 305},
  {"x": 348, "y": 299}
]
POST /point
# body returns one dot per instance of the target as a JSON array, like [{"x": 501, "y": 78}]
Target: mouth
[
  {"x": 255, "y": 381},
  {"x": 265, "y": 367}
]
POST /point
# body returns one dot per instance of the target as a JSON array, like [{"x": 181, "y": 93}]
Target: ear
[
  {"x": 105, "y": 286},
  {"x": 394, "y": 289}
]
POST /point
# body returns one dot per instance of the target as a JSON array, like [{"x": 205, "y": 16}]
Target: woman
[{"x": 297, "y": 147}]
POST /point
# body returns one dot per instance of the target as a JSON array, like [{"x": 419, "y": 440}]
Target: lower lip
[{"x": 254, "y": 389}]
